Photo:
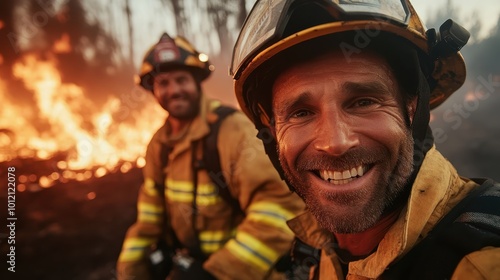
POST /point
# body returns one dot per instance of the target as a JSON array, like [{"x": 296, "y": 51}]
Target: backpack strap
[
  {"x": 471, "y": 225},
  {"x": 211, "y": 163},
  {"x": 211, "y": 159}
]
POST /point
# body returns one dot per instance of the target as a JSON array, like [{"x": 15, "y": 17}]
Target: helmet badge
[{"x": 166, "y": 50}]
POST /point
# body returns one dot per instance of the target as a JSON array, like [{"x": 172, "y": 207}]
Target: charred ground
[{"x": 61, "y": 233}]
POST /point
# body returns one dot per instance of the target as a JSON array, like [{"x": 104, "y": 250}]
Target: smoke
[{"x": 465, "y": 127}]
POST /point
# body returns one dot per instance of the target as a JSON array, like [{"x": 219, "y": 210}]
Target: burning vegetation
[
  {"x": 95, "y": 138},
  {"x": 67, "y": 101}
]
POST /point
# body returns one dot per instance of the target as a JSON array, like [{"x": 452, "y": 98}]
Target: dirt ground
[{"x": 72, "y": 230}]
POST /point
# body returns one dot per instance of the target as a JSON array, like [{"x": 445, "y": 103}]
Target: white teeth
[
  {"x": 354, "y": 173},
  {"x": 360, "y": 171},
  {"x": 342, "y": 177},
  {"x": 329, "y": 175}
]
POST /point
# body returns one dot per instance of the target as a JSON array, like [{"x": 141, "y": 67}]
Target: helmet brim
[{"x": 449, "y": 72}]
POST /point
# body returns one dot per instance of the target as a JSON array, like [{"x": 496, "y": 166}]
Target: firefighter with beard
[
  {"x": 341, "y": 93},
  {"x": 209, "y": 236}
]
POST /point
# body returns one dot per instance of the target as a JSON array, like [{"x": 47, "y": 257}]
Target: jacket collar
[{"x": 306, "y": 228}]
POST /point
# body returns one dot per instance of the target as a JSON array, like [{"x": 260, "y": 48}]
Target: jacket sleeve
[
  {"x": 145, "y": 232},
  {"x": 263, "y": 236}
]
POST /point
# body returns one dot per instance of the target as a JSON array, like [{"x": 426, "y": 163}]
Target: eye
[
  {"x": 364, "y": 102},
  {"x": 162, "y": 83},
  {"x": 300, "y": 114},
  {"x": 181, "y": 80}
]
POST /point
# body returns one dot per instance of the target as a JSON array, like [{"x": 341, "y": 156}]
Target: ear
[{"x": 411, "y": 107}]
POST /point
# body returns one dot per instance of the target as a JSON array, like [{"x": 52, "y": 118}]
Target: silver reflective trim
[
  {"x": 259, "y": 27},
  {"x": 392, "y": 9}
]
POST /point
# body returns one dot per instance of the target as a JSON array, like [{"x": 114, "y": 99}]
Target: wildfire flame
[
  {"x": 63, "y": 44},
  {"x": 95, "y": 143}
]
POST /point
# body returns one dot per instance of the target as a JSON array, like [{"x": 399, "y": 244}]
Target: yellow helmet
[
  {"x": 173, "y": 53},
  {"x": 269, "y": 30}
]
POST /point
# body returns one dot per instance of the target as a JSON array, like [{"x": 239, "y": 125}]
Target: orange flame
[
  {"x": 62, "y": 45},
  {"x": 89, "y": 134}
]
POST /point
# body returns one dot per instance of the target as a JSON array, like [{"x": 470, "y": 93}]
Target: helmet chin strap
[
  {"x": 421, "y": 132},
  {"x": 271, "y": 147}
]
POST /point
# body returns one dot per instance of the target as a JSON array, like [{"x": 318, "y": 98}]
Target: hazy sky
[
  {"x": 154, "y": 18},
  {"x": 487, "y": 10}
]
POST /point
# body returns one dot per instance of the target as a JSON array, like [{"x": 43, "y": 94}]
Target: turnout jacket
[
  {"x": 240, "y": 244},
  {"x": 437, "y": 188}
]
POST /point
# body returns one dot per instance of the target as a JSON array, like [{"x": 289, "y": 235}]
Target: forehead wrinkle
[
  {"x": 283, "y": 106},
  {"x": 366, "y": 87}
]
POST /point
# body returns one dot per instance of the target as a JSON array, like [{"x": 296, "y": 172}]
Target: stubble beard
[
  {"x": 389, "y": 188},
  {"x": 189, "y": 113}
]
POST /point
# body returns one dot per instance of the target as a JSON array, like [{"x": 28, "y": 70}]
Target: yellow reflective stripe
[
  {"x": 252, "y": 250},
  {"x": 179, "y": 197},
  {"x": 271, "y": 214},
  {"x": 179, "y": 191},
  {"x": 206, "y": 189},
  {"x": 182, "y": 191},
  {"x": 211, "y": 241},
  {"x": 270, "y": 220},
  {"x": 277, "y": 209},
  {"x": 134, "y": 248},
  {"x": 149, "y": 187},
  {"x": 180, "y": 186},
  {"x": 210, "y": 235},
  {"x": 209, "y": 248},
  {"x": 147, "y": 212},
  {"x": 207, "y": 200}
]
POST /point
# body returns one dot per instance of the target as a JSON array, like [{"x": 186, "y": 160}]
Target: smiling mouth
[
  {"x": 178, "y": 97},
  {"x": 339, "y": 177}
]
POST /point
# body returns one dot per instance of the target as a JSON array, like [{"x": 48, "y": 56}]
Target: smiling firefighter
[
  {"x": 344, "y": 90},
  {"x": 211, "y": 198}
]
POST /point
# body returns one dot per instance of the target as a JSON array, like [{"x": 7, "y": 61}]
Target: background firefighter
[{"x": 211, "y": 236}]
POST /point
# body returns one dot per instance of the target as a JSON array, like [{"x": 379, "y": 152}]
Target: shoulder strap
[
  {"x": 471, "y": 225},
  {"x": 211, "y": 159}
]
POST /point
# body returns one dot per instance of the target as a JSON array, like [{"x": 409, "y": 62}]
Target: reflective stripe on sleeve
[
  {"x": 251, "y": 250},
  {"x": 149, "y": 213},
  {"x": 149, "y": 187},
  {"x": 135, "y": 248},
  {"x": 271, "y": 214},
  {"x": 212, "y": 241}
]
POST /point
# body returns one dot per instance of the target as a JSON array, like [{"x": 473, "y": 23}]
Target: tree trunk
[{"x": 130, "y": 31}]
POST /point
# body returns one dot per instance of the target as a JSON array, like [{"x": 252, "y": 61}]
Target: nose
[
  {"x": 172, "y": 88},
  {"x": 166, "y": 87},
  {"x": 335, "y": 134}
]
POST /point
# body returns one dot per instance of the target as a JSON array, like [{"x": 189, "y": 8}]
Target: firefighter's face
[
  {"x": 342, "y": 139},
  {"x": 178, "y": 93}
]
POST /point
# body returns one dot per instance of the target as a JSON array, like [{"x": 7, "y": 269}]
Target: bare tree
[
  {"x": 130, "y": 30},
  {"x": 219, "y": 12},
  {"x": 242, "y": 12},
  {"x": 180, "y": 15}
]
